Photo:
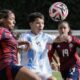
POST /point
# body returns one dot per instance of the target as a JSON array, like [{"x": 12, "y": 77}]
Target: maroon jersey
[
  {"x": 8, "y": 48},
  {"x": 67, "y": 52}
]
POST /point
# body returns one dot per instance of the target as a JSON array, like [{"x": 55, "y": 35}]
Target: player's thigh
[{"x": 26, "y": 74}]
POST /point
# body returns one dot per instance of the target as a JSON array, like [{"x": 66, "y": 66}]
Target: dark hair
[
  {"x": 70, "y": 32},
  {"x": 4, "y": 14},
  {"x": 34, "y": 15}
]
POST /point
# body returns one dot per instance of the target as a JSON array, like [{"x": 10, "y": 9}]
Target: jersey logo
[
  {"x": 58, "y": 46},
  {"x": 38, "y": 43},
  {"x": 70, "y": 45}
]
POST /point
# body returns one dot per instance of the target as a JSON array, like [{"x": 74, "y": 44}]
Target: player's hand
[
  {"x": 26, "y": 45},
  {"x": 49, "y": 46},
  {"x": 65, "y": 38},
  {"x": 55, "y": 66}
]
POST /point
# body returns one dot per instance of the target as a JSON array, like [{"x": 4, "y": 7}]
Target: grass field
[{"x": 57, "y": 75}]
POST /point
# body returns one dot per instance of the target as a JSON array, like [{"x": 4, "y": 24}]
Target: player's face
[
  {"x": 10, "y": 21},
  {"x": 64, "y": 28},
  {"x": 37, "y": 26}
]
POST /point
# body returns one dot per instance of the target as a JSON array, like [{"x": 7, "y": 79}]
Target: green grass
[{"x": 57, "y": 75}]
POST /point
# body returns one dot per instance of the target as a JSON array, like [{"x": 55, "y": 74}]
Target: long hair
[{"x": 4, "y": 14}]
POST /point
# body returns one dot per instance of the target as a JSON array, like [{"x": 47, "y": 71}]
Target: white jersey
[{"x": 36, "y": 59}]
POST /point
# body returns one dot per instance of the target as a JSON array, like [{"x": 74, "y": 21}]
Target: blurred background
[{"x": 24, "y": 7}]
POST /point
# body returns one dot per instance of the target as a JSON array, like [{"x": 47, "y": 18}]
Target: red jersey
[
  {"x": 8, "y": 48},
  {"x": 67, "y": 52}
]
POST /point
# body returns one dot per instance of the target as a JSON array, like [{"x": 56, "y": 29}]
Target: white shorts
[{"x": 43, "y": 71}]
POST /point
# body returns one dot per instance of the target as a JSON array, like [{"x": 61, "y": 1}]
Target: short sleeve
[
  {"x": 4, "y": 34},
  {"x": 51, "y": 38}
]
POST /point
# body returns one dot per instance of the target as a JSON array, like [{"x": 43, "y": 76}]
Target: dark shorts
[
  {"x": 72, "y": 73},
  {"x": 9, "y": 72}
]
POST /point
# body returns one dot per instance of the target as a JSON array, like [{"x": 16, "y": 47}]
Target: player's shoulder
[
  {"x": 4, "y": 30},
  {"x": 25, "y": 34},
  {"x": 49, "y": 35},
  {"x": 74, "y": 37}
]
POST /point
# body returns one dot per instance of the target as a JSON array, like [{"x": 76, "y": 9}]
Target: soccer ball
[{"x": 58, "y": 11}]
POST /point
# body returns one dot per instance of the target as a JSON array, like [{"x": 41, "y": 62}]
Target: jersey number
[{"x": 65, "y": 52}]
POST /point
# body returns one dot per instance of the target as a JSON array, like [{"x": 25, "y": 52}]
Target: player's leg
[
  {"x": 79, "y": 77},
  {"x": 73, "y": 74},
  {"x": 63, "y": 74},
  {"x": 26, "y": 74},
  {"x": 14, "y": 72}
]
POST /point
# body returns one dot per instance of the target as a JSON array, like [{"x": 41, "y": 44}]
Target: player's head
[
  {"x": 7, "y": 19},
  {"x": 36, "y": 22},
  {"x": 64, "y": 28}
]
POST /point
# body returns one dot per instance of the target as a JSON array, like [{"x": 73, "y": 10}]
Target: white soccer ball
[{"x": 58, "y": 11}]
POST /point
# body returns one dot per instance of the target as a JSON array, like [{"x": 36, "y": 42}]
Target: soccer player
[
  {"x": 66, "y": 47},
  {"x": 9, "y": 70},
  {"x": 36, "y": 57}
]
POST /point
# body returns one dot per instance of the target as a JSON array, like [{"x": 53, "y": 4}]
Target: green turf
[{"x": 57, "y": 75}]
